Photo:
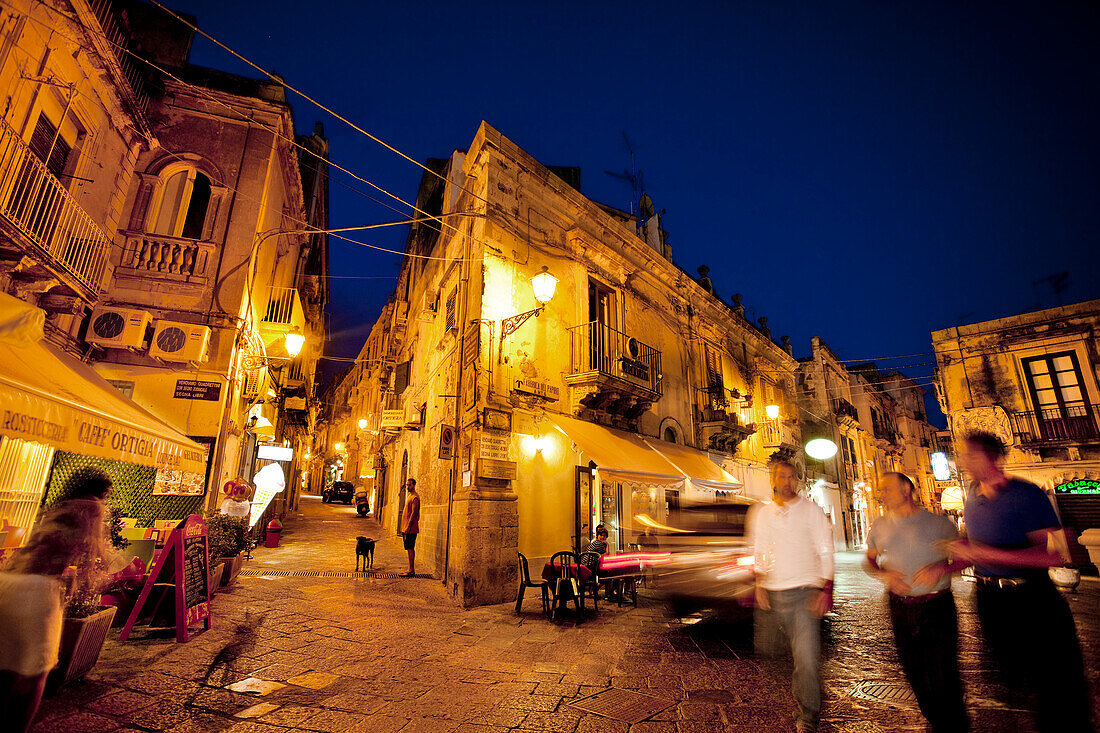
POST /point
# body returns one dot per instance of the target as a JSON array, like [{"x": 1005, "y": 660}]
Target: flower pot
[
  {"x": 215, "y": 578},
  {"x": 233, "y": 567},
  {"x": 81, "y": 642}
]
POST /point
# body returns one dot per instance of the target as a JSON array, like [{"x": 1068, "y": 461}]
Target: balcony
[
  {"x": 121, "y": 47},
  {"x": 720, "y": 426},
  {"x": 776, "y": 434},
  {"x": 284, "y": 311},
  {"x": 612, "y": 372},
  {"x": 37, "y": 210},
  {"x": 1077, "y": 424},
  {"x": 166, "y": 258},
  {"x": 846, "y": 411}
]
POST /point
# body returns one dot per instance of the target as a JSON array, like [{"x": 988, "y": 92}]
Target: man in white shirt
[{"x": 793, "y": 546}]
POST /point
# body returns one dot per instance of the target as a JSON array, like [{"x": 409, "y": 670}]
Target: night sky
[{"x": 862, "y": 171}]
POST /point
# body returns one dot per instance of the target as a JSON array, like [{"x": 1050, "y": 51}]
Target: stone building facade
[
  {"x": 166, "y": 218},
  {"x": 1032, "y": 379},
  {"x": 631, "y": 391}
]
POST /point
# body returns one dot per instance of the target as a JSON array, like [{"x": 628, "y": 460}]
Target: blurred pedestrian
[
  {"x": 1014, "y": 537},
  {"x": 71, "y": 532},
  {"x": 905, "y": 551},
  {"x": 410, "y": 524},
  {"x": 792, "y": 543}
]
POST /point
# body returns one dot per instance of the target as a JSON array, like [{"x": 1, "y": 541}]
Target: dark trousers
[
  {"x": 926, "y": 633},
  {"x": 1029, "y": 632}
]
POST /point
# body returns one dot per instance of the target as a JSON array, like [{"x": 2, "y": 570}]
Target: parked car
[
  {"x": 339, "y": 491},
  {"x": 709, "y": 566}
]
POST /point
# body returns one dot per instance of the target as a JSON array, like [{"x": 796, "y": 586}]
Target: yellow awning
[
  {"x": 619, "y": 455},
  {"x": 632, "y": 459},
  {"x": 49, "y": 397},
  {"x": 696, "y": 465}
]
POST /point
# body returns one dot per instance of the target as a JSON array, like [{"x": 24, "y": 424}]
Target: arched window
[
  {"x": 670, "y": 435},
  {"x": 184, "y": 199}
]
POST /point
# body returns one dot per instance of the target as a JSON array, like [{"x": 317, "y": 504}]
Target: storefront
[{"x": 57, "y": 414}]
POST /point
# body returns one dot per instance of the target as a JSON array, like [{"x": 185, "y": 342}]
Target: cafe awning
[
  {"x": 630, "y": 459},
  {"x": 46, "y": 396}
]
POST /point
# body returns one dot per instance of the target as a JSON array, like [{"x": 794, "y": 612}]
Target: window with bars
[{"x": 1057, "y": 391}]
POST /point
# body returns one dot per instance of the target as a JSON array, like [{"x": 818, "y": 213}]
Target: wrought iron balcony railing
[
  {"x": 121, "y": 45},
  {"x": 598, "y": 348},
  {"x": 36, "y": 204},
  {"x": 775, "y": 433},
  {"x": 844, "y": 408},
  {"x": 1077, "y": 423}
]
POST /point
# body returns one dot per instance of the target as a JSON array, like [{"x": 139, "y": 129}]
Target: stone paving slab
[{"x": 396, "y": 655}]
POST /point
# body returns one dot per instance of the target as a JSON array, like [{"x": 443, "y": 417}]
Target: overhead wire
[{"x": 251, "y": 122}]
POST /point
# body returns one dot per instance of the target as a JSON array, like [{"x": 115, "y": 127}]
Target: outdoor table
[
  {"x": 624, "y": 569},
  {"x": 552, "y": 571}
]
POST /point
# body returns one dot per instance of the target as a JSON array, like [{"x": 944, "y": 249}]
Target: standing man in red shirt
[{"x": 410, "y": 524}]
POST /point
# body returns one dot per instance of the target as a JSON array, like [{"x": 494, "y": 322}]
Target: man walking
[
  {"x": 793, "y": 546},
  {"x": 1014, "y": 536},
  {"x": 410, "y": 524},
  {"x": 905, "y": 551}
]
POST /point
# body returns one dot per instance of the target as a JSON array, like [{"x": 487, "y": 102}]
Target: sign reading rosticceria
[{"x": 1078, "y": 486}]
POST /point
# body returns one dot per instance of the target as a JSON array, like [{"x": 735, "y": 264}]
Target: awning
[
  {"x": 696, "y": 465},
  {"x": 49, "y": 397},
  {"x": 631, "y": 459},
  {"x": 952, "y": 499}
]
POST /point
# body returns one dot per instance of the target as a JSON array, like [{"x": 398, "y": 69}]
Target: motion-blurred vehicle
[
  {"x": 709, "y": 564},
  {"x": 339, "y": 491}
]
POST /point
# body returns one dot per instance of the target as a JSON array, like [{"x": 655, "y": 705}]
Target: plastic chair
[
  {"x": 525, "y": 582},
  {"x": 590, "y": 560},
  {"x": 567, "y": 578}
]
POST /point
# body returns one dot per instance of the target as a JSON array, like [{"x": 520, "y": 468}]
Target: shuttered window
[
  {"x": 54, "y": 153},
  {"x": 401, "y": 377}
]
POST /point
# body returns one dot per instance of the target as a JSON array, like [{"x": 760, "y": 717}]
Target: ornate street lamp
[
  {"x": 294, "y": 340},
  {"x": 543, "y": 286}
]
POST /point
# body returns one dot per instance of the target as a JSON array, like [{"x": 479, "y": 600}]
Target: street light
[
  {"x": 772, "y": 411},
  {"x": 339, "y": 447},
  {"x": 820, "y": 448},
  {"x": 362, "y": 423},
  {"x": 543, "y": 286},
  {"x": 294, "y": 341}
]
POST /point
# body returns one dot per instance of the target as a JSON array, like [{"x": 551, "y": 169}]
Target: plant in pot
[
  {"x": 85, "y": 624},
  {"x": 228, "y": 537}
]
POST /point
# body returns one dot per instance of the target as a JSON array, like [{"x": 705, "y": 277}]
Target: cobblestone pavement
[{"x": 386, "y": 654}]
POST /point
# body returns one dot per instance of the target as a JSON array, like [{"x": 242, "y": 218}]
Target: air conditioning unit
[
  {"x": 175, "y": 341},
  {"x": 118, "y": 328},
  {"x": 254, "y": 380}
]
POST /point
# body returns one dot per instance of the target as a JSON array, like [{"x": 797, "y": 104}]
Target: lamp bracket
[{"x": 511, "y": 324}]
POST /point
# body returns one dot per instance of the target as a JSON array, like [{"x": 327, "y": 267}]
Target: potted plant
[
  {"x": 83, "y": 629},
  {"x": 228, "y": 537}
]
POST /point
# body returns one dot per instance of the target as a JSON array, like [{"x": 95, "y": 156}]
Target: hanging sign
[
  {"x": 183, "y": 564},
  {"x": 393, "y": 419}
]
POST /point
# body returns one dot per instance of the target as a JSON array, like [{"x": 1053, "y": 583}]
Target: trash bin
[{"x": 274, "y": 529}]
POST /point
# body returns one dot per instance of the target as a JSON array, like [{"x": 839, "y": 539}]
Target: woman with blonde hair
[{"x": 33, "y": 586}]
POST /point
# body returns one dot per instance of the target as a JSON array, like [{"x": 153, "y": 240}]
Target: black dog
[{"x": 364, "y": 548}]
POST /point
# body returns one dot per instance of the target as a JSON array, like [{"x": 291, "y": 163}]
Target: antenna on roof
[
  {"x": 1059, "y": 283},
  {"x": 633, "y": 176}
]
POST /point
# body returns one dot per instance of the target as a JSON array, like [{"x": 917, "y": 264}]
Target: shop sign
[
  {"x": 190, "y": 389},
  {"x": 275, "y": 453},
  {"x": 941, "y": 469},
  {"x": 489, "y": 468},
  {"x": 537, "y": 388},
  {"x": 495, "y": 447},
  {"x": 1078, "y": 486},
  {"x": 392, "y": 419}
]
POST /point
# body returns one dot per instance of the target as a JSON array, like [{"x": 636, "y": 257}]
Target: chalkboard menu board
[{"x": 184, "y": 565}]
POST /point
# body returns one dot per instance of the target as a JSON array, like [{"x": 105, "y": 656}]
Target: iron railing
[
  {"x": 775, "y": 433},
  {"x": 34, "y": 202},
  {"x": 122, "y": 46},
  {"x": 843, "y": 407},
  {"x": 1079, "y": 422},
  {"x": 714, "y": 398},
  {"x": 284, "y": 307},
  {"x": 596, "y": 347}
]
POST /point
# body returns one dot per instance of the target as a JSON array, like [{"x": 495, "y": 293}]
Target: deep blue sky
[{"x": 863, "y": 171}]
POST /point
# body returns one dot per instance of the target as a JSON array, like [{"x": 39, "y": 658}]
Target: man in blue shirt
[{"x": 1014, "y": 536}]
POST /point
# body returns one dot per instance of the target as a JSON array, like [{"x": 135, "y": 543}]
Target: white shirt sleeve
[{"x": 823, "y": 542}]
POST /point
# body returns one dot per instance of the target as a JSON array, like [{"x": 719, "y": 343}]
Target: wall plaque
[
  {"x": 495, "y": 447},
  {"x": 537, "y": 388},
  {"x": 489, "y": 468},
  {"x": 190, "y": 389}
]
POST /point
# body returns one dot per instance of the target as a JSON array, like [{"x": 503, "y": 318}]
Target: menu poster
[
  {"x": 170, "y": 482},
  {"x": 184, "y": 565}
]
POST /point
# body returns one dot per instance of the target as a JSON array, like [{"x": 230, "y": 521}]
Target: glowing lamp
[
  {"x": 263, "y": 429},
  {"x": 339, "y": 446},
  {"x": 362, "y": 423},
  {"x": 772, "y": 411},
  {"x": 543, "y": 285},
  {"x": 820, "y": 449},
  {"x": 306, "y": 456},
  {"x": 294, "y": 341}
]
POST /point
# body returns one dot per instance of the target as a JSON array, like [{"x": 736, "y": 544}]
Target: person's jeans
[
  {"x": 790, "y": 615},
  {"x": 926, "y": 634},
  {"x": 1030, "y": 634}
]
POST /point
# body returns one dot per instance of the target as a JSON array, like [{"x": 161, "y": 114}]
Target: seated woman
[{"x": 590, "y": 558}]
